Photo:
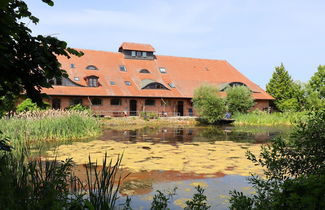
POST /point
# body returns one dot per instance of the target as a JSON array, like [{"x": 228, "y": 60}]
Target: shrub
[
  {"x": 27, "y": 105},
  {"x": 78, "y": 107},
  {"x": 294, "y": 170},
  {"x": 239, "y": 99},
  {"x": 209, "y": 105}
]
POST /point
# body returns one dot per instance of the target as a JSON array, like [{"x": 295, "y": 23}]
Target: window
[
  {"x": 91, "y": 67},
  {"x": 128, "y": 83},
  {"x": 122, "y": 68},
  {"x": 112, "y": 83},
  {"x": 144, "y": 54},
  {"x": 133, "y": 53},
  {"x": 155, "y": 85},
  {"x": 162, "y": 70},
  {"x": 76, "y": 78},
  {"x": 171, "y": 85},
  {"x": 150, "y": 102},
  {"x": 75, "y": 101},
  {"x": 72, "y": 65},
  {"x": 93, "y": 81},
  {"x": 139, "y": 54},
  {"x": 96, "y": 101},
  {"x": 144, "y": 71},
  {"x": 116, "y": 102}
]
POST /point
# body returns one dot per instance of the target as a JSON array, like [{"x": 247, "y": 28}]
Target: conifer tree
[{"x": 281, "y": 87}]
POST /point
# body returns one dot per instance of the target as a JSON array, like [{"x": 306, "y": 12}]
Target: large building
[{"x": 135, "y": 80}]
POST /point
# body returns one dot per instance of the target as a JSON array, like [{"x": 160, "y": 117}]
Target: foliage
[
  {"x": 280, "y": 86},
  {"x": 199, "y": 200},
  {"x": 257, "y": 117},
  {"x": 27, "y": 105},
  {"x": 39, "y": 184},
  {"x": 27, "y": 62},
  {"x": 160, "y": 200},
  {"x": 50, "y": 125},
  {"x": 78, "y": 107},
  {"x": 239, "y": 99},
  {"x": 101, "y": 188},
  {"x": 294, "y": 171},
  {"x": 209, "y": 105},
  {"x": 317, "y": 81},
  {"x": 149, "y": 115}
]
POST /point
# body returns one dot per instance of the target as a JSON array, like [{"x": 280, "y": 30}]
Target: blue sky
[{"x": 252, "y": 35}]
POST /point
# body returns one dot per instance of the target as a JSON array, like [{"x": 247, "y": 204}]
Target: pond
[{"x": 162, "y": 158}]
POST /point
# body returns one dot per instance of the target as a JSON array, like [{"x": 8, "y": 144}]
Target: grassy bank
[
  {"x": 137, "y": 122},
  {"x": 50, "y": 125},
  {"x": 263, "y": 118}
]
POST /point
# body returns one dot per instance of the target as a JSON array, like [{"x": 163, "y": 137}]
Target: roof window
[
  {"x": 155, "y": 85},
  {"x": 122, "y": 68},
  {"x": 92, "y": 81},
  {"x": 76, "y": 79},
  {"x": 72, "y": 65},
  {"x": 112, "y": 83},
  {"x": 162, "y": 70},
  {"x": 128, "y": 83},
  {"x": 91, "y": 67},
  {"x": 144, "y": 71}
]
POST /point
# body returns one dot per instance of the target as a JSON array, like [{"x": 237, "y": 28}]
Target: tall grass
[
  {"x": 50, "y": 125},
  {"x": 263, "y": 118}
]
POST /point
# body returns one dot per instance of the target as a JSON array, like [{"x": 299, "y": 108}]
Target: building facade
[{"x": 135, "y": 80}]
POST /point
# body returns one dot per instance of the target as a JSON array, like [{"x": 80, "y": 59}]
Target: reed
[
  {"x": 263, "y": 118},
  {"x": 50, "y": 125}
]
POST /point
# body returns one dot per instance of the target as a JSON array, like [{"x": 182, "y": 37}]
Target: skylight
[
  {"x": 122, "y": 68},
  {"x": 162, "y": 70}
]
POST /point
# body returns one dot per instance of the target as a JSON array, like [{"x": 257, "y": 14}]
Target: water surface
[{"x": 162, "y": 158}]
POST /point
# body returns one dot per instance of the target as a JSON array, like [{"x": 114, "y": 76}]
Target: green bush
[
  {"x": 27, "y": 105},
  {"x": 294, "y": 170},
  {"x": 78, "y": 107},
  {"x": 239, "y": 99},
  {"x": 208, "y": 104}
]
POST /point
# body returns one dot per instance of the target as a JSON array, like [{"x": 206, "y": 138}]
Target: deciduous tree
[
  {"x": 239, "y": 99},
  {"x": 27, "y": 62},
  {"x": 208, "y": 104}
]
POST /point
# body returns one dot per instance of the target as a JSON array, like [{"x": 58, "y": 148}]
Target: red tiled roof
[
  {"x": 137, "y": 46},
  {"x": 185, "y": 73}
]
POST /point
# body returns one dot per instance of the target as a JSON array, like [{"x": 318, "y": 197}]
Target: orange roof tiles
[
  {"x": 137, "y": 47},
  {"x": 185, "y": 73}
]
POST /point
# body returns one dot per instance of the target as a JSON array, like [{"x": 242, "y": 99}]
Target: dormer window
[
  {"x": 162, "y": 70},
  {"x": 139, "y": 53},
  {"x": 144, "y": 54},
  {"x": 91, "y": 67},
  {"x": 122, "y": 68},
  {"x": 155, "y": 85},
  {"x": 133, "y": 53},
  {"x": 92, "y": 81},
  {"x": 144, "y": 71}
]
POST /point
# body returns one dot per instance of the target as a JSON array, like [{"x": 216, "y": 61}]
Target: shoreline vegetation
[{"x": 50, "y": 126}]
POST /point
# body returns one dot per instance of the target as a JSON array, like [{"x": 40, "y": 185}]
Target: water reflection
[{"x": 252, "y": 134}]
